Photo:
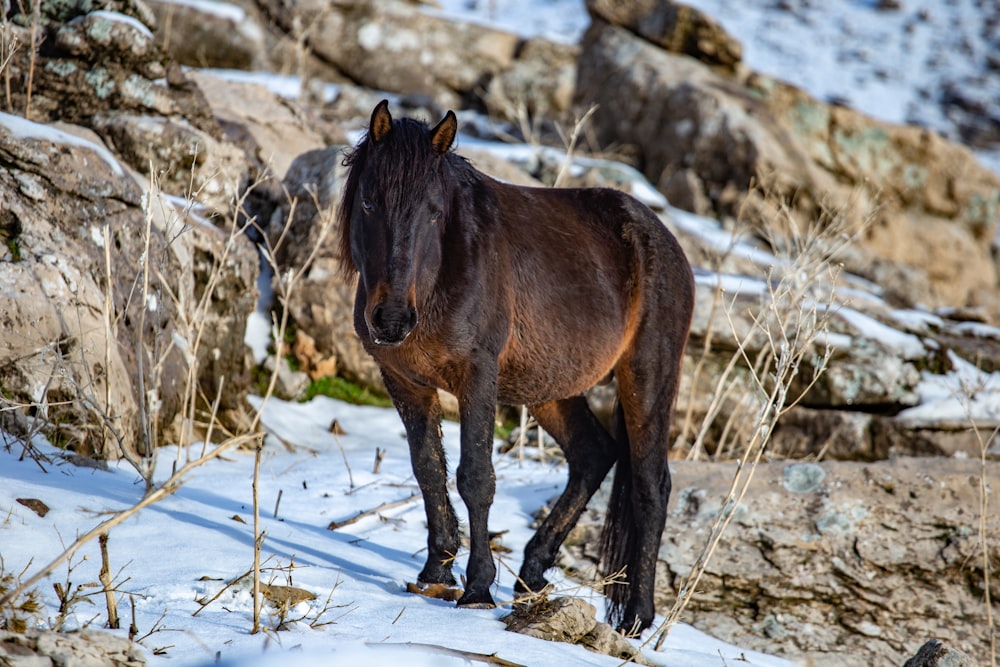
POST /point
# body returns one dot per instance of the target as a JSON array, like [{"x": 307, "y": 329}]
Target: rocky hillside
[{"x": 144, "y": 168}]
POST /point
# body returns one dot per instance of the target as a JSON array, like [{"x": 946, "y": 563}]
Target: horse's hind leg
[
  {"x": 647, "y": 385},
  {"x": 590, "y": 453}
]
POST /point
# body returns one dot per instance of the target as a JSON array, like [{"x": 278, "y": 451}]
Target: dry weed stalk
[
  {"x": 8, "y": 47},
  {"x": 285, "y": 285},
  {"x": 965, "y": 396},
  {"x": 35, "y": 43}
]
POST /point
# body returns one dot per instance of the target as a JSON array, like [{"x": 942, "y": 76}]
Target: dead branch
[
  {"x": 334, "y": 525},
  {"x": 488, "y": 658}
]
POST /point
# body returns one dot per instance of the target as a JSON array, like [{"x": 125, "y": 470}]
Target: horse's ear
[
  {"x": 444, "y": 132},
  {"x": 381, "y": 122}
]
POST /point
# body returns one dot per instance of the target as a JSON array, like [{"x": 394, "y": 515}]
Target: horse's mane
[{"x": 403, "y": 159}]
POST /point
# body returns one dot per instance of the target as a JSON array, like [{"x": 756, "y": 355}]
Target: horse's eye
[
  {"x": 435, "y": 218},
  {"x": 367, "y": 206}
]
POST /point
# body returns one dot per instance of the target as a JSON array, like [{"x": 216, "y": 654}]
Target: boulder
[
  {"x": 216, "y": 34},
  {"x": 276, "y": 129},
  {"x": 189, "y": 163},
  {"x": 303, "y": 238},
  {"x": 100, "y": 61},
  {"x": 837, "y": 563},
  {"x": 675, "y": 27},
  {"x": 537, "y": 86},
  {"x": 396, "y": 47},
  {"x": 573, "y": 621}
]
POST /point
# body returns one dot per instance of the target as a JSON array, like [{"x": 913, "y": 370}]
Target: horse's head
[{"x": 393, "y": 217}]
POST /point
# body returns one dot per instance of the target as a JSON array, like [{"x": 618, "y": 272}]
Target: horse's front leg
[
  {"x": 420, "y": 411},
  {"x": 476, "y": 480}
]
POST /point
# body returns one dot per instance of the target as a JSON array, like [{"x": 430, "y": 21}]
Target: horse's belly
[{"x": 552, "y": 374}]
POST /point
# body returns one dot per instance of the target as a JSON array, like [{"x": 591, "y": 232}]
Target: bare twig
[
  {"x": 574, "y": 136},
  {"x": 258, "y": 538},
  {"x": 334, "y": 525},
  {"x": 105, "y": 578},
  {"x": 487, "y": 658}
]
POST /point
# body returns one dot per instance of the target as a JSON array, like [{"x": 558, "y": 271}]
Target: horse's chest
[{"x": 426, "y": 365}]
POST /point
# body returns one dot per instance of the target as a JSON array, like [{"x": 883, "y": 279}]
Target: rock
[
  {"x": 102, "y": 61},
  {"x": 216, "y": 34},
  {"x": 573, "y": 621},
  {"x": 86, "y": 648},
  {"x": 189, "y": 163},
  {"x": 396, "y": 47},
  {"x": 936, "y": 654},
  {"x": 930, "y": 229},
  {"x": 673, "y": 26},
  {"x": 110, "y": 36},
  {"x": 829, "y": 563},
  {"x": 538, "y": 85},
  {"x": 302, "y": 234},
  {"x": 563, "y": 619},
  {"x": 279, "y": 130},
  {"x": 64, "y": 199}
]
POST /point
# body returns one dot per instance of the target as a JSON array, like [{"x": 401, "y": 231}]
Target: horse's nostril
[{"x": 377, "y": 315}]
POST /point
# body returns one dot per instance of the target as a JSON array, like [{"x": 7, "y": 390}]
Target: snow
[
  {"x": 187, "y": 547},
  {"x": 134, "y": 23},
  {"x": 288, "y": 86},
  {"x": 223, "y": 10},
  {"x": 558, "y": 20},
  {"x": 21, "y": 128},
  {"x": 961, "y": 396}
]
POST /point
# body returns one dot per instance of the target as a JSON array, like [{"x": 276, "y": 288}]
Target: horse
[{"x": 501, "y": 294}]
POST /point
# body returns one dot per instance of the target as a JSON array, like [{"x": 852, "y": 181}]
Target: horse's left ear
[{"x": 444, "y": 132}]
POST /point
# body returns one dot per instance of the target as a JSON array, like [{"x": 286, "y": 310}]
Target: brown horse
[{"x": 522, "y": 296}]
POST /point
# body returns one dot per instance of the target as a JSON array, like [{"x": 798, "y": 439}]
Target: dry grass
[{"x": 787, "y": 336}]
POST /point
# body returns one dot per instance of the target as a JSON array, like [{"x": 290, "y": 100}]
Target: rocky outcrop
[
  {"x": 675, "y": 27},
  {"x": 97, "y": 344},
  {"x": 833, "y": 564},
  {"x": 718, "y": 141}
]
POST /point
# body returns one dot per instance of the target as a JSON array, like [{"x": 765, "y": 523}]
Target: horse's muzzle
[{"x": 390, "y": 326}]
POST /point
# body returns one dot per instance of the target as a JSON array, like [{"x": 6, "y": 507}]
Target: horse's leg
[
  {"x": 590, "y": 453},
  {"x": 476, "y": 479},
  {"x": 420, "y": 411},
  {"x": 647, "y": 375}
]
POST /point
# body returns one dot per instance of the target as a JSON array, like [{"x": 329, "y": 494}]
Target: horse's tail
[{"x": 620, "y": 536}]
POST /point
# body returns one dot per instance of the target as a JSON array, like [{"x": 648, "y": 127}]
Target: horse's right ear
[
  {"x": 381, "y": 122},
  {"x": 444, "y": 132}
]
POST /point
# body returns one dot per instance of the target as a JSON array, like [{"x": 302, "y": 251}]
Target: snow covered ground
[{"x": 187, "y": 547}]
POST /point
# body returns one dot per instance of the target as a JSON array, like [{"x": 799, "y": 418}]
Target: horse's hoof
[
  {"x": 473, "y": 601},
  {"x": 477, "y": 605}
]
